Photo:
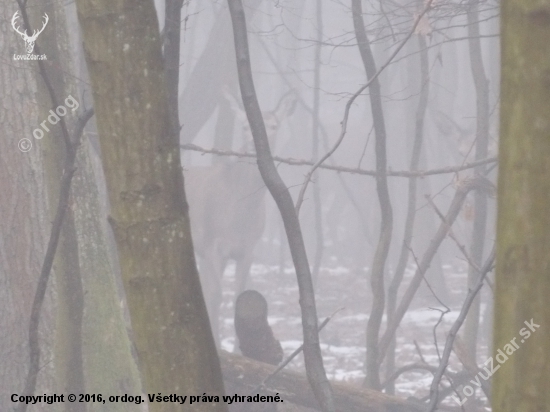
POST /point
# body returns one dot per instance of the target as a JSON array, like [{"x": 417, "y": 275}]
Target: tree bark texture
[
  {"x": 23, "y": 207},
  {"x": 149, "y": 212},
  {"x": 523, "y": 223}
]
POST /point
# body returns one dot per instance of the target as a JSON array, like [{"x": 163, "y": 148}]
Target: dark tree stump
[{"x": 256, "y": 339}]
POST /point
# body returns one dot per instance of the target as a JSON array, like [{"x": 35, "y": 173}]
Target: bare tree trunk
[
  {"x": 372, "y": 379},
  {"x": 424, "y": 263},
  {"x": 312, "y": 351},
  {"x": 523, "y": 223},
  {"x": 149, "y": 212},
  {"x": 70, "y": 295},
  {"x": 480, "y": 199},
  {"x": 411, "y": 203},
  {"x": 319, "y": 238}
]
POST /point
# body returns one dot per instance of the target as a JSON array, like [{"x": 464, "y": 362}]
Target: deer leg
[
  {"x": 242, "y": 271},
  {"x": 211, "y": 277}
]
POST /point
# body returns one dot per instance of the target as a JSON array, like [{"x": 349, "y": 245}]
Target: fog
[
  {"x": 316, "y": 59},
  {"x": 425, "y": 131}
]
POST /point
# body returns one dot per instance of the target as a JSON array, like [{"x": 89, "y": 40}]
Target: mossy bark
[
  {"x": 108, "y": 363},
  {"x": 149, "y": 213},
  {"x": 523, "y": 226}
]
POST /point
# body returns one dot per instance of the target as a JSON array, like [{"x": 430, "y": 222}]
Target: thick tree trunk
[
  {"x": 523, "y": 224},
  {"x": 23, "y": 207},
  {"x": 108, "y": 362},
  {"x": 149, "y": 212}
]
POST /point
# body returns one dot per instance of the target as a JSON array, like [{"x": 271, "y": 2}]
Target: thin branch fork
[
  {"x": 292, "y": 355},
  {"x": 344, "y": 122},
  {"x": 456, "y": 204},
  {"x": 434, "y": 392},
  {"x": 452, "y": 235},
  {"x": 344, "y": 169},
  {"x": 414, "y": 367}
]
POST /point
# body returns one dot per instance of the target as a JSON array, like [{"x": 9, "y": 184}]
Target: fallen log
[{"x": 242, "y": 375}]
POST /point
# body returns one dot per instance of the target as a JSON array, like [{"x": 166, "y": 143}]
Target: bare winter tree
[{"x": 312, "y": 352}]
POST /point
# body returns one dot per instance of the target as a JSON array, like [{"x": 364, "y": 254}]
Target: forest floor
[{"x": 343, "y": 339}]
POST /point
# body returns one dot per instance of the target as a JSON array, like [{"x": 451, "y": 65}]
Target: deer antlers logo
[{"x": 29, "y": 40}]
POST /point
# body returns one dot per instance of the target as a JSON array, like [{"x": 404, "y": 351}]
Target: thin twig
[
  {"x": 454, "y": 331},
  {"x": 452, "y": 236},
  {"x": 293, "y": 355},
  {"x": 344, "y": 122}
]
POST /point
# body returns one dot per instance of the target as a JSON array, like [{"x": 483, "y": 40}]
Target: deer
[
  {"x": 227, "y": 210},
  {"x": 29, "y": 40}
]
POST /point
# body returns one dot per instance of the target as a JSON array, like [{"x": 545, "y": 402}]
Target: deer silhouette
[{"x": 227, "y": 212}]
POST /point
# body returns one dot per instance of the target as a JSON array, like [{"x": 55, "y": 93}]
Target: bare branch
[
  {"x": 352, "y": 99},
  {"x": 454, "y": 331},
  {"x": 344, "y": 169},
  {"x": 292, "y": 355},
  {"x": 454, "y": 209}
]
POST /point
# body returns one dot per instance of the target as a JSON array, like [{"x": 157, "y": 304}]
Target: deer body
[{"x": 227, "y": 213}]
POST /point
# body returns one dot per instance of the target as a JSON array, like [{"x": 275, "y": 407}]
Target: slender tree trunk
[
  {"x": 523, "y": 223},
  {"x": 70, "y": 296},
  {"x": 312, "y": 352},
  {"x": 411, "y": 202},
  {"x": 372, "y": 379},
  {"x": 424, "y": 263},
  {"x": 319, "y": 238},
  {"x": 149, "y": 212},
  {"x": 481, "y": 83}
]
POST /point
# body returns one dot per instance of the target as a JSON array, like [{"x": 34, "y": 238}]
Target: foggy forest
[{"x": 275, "y": 205}]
